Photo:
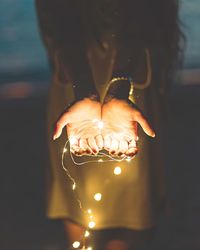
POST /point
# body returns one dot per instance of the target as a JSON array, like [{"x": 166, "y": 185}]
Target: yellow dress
[{"x": 133, "y": 199}]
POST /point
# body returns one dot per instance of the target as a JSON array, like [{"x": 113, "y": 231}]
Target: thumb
[
  {"x": 60, "y": 124},
  {"x": 140, "y": 118}
]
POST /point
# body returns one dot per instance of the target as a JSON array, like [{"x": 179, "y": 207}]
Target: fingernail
[
  {"x": 54, "y": 137},
  {"x": 137, "y": 138},
  {"x": 153, "y": 135}
]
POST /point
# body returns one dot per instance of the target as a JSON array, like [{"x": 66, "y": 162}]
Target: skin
[
  {"x": 119, "y": 134},
  {"x": 84, "y": 138},
  {"x": 121, "y": 122}
]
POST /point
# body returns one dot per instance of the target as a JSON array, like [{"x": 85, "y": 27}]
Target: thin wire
[
  {"x": 100, "y": 154},
  {"x": 74, "y": 185}
]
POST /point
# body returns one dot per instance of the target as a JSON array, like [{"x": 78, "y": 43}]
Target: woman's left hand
[{"x": 120, "y": 127}]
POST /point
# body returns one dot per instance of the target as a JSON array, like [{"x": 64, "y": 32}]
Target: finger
[
  {"x": 83, "y": 144},
  {"x": 135, "y": 131},
  {"x": 74, "y": 145},
  {"x": 73, "y": 141},
  {"x": 114, "y": 146},
  {"x": 132, "y": 144},
  {"x": 107, "y": 142},
  {"x": 75, "y": 150},
  {"x": 139, "y": 117},
  {"x": 92, "y": 144},
  {"x": 85, "y": 149},
  {"x": 132, "y": 149},
  {"x": 123, "y": 147},
  {"x": 131, "y": 152},
  {"x": 78, "y": 153},
  {"x": 99, "y": 141},
  {"x": 60, "y": 124}
]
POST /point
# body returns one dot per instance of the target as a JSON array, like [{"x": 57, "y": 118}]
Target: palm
[
  {"x": 117, "y": 116},
  {"x": 82, "y": 130},
  {"x": 120, "y": 131}
]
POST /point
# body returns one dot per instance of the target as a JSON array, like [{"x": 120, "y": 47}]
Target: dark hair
[{"x": 149, "y": 24}]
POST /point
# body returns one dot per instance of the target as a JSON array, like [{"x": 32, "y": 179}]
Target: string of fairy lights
[{"x": 101, "y": 157}]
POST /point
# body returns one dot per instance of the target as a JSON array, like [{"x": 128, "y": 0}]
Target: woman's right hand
[{"x": 81, "y": 121}]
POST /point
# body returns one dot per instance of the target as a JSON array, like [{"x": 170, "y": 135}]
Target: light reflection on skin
[
  {"x": 115, "y": 129},
  {"x": 117, "y": 144}
]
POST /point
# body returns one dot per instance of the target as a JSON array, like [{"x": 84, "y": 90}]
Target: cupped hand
[
  {"x": 120, "y": 127},
  {"x": 81, "y": 121}
]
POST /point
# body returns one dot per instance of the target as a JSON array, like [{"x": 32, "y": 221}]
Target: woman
[{"x": 94, "y": 47}]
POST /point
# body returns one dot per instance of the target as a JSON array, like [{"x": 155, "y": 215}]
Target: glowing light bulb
[
  {"x": 91, "y": 224},
  {"x": 89, "y": 248},
  {"x": 89, "y": 211},
  {"x": 73, "y": 140},
  {"x": 117, "y": 171},
  {"x": 87, "y": 233},
  {"x": 74, "y": 186},
  {"x": 100, "y": 160},
  {"x": 76, "y": 244},
  {"x": 98, "y": 196},
  {"x": 64, "y": 150},
  {"x": 100, "y": 124},
  {"x": 128, "y": 159}
]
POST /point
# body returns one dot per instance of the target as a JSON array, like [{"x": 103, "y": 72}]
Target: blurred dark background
[{"x": 24, "y": 81}]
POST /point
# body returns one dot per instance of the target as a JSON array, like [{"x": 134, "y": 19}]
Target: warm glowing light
[
  {"x": 87, "y": 233},
  {"x": 94, "y": 120},
  {"x": 100, "y": 124},
  {"x": 72, "y": 140},
  {"x": 91, "y": 224},
  {"x": 76, "y": 244},
  {"x": 89, "y": 211},
  {"x": 117, "y": 171},
  {"x": 64, "y": 150},
  {"x": 98, "y": 196}
]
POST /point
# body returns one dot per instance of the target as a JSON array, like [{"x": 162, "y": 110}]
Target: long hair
[{"x": 149, "y": 24}]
